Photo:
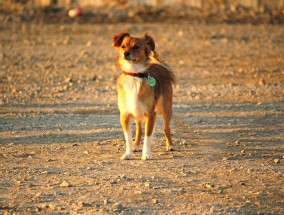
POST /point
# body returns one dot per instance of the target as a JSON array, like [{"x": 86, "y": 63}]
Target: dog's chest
[{"x": 133, "y": 103}]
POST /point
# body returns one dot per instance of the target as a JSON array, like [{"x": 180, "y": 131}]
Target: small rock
[
  {"x": 68, "y": 80},
  {"x": 155, "y": 201},
  {"x": 138, "y": 192},
  {"x": 1, "y": 56},
  {"x": 65, "y": 184},
  {"x": 37, "y": 195},
  {"x": 123, "y": 176},
  {"x": 181, "y": 190},
  {"x": 62, "y": 28},
  {"x": 106, "y": 201},
  {"x": 180, "y": 33},
  {"x": 250, "y": 170},
  {"x": 117, "y": 207},
  {"x": 262, "y": 82},
  {"x": 86, "y": 152},
  {"x": 209, "y": 186},
  {"x": 66, "y": 41},
  {"x": 94, "y": 78},
  {"x": 276, "y": 160},
  {"x": 184, "y": 142},
  {"x": 220, "y": 191},
  {"x": 234, "y": 169},
  {"x": 89, "y": 43},
  {"x": 147, "y": 184},
  {"x": 51, "y": 206}
]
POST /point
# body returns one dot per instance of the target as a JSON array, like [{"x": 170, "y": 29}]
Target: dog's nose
[{"x": 126, "y": 54}]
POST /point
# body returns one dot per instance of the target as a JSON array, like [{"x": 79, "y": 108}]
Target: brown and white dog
[{"x": 144, "y": 89}]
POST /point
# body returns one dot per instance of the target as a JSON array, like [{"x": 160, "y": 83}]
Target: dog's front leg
[
  {"x": 149, "y": 136},
  {"x": 136, "y": 143},
  {"x": 125, "y": 123}
]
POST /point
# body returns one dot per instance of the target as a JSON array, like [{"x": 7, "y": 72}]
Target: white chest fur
[
  {"x": 131, "y": 103},
  {"x": 132, "y": 67}
]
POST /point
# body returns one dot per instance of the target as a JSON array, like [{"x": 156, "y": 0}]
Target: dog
[{"x": 144, "y": 90}]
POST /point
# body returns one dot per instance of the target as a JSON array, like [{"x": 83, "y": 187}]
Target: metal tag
[{"x": 151, "y": 81}]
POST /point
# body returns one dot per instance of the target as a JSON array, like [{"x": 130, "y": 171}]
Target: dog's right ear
[{"x": 117, "y": 39}]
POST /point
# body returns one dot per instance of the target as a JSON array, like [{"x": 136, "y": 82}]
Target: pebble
[
  {"x": 209, "y": 185},
  {"x": 68, "y": 80},
  {"x": 65, "y": 184},
  {"x": 184, "y": 142},
  {"x": 234, "y": 169},
  {"x": 276, "y": 160},
  {"x": 155, "y": 201},
  {"x": 262, "y": 82},
  {"x": 89, "y": 43},
  {"x": 250, "y": 170},
  {"x": 106, "y": 201},
  {"x": 117, "y": 207},
  {"x": 220, "y": 191},
  {"x": 1, "y": 56},
  {"x": 147, "y": 184}
]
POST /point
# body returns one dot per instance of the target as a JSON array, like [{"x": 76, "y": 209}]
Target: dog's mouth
[{"x": 129, "y": 58}]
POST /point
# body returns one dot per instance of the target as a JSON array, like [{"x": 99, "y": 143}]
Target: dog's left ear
[
  {"x": 117, "y": 39},
  {"x": 150, "y": 42}
]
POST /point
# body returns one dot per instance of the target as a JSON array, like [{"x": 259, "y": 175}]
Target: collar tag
[{"x": 151, "y": 81}]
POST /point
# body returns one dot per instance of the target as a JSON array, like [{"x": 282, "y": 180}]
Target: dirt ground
[{"x": 61, "y": 139}]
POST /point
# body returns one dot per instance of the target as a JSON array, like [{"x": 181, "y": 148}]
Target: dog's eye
[
  {"x": 123, "y": 46},
  {"x": 136, "y": 47}
]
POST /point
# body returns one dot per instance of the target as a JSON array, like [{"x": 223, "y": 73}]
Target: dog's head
[{"x": 133, "y": 50}]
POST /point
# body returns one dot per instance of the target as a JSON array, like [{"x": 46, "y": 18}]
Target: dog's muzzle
[{"x": 127, "y": 56}]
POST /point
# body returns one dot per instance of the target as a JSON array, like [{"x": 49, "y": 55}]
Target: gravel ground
[{"x": 61, "y": 139}]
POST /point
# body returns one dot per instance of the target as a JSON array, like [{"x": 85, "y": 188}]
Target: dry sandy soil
[{"x": 61, "y": 139}]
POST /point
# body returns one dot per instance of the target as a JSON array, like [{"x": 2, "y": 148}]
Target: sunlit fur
[{"x": 136, "y": 98}]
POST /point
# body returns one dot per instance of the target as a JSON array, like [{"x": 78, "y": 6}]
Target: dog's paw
[
  {"x": 136, "y": 149},
  {"x": 146, "y": 157},
  {"x": 126, "y": 157},
  {"x": 170, "y": 148}
]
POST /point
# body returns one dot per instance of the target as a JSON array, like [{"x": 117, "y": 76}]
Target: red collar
[{"x": 140, "y": 75}]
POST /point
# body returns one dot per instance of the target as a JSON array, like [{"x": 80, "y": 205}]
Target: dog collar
[
  {"x": 150, "y": 80},
  {"x": 139, "y": 75}
]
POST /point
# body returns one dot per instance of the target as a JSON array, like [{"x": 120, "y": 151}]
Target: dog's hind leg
[
  {"x": 149, "y": 136},
  {"x": 138, "y": 135},
  {"x": 167, "y": 130}
]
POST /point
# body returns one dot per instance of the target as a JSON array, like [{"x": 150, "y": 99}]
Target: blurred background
[{"x": 107, "y": 11}]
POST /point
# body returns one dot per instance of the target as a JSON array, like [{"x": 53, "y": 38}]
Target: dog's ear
[
  {"x": 150, "y": 42},
  {"x": 117, "y": 39}
]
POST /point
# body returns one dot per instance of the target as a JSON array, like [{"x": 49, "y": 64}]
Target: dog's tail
[
  {"x": 160, "y": 69},
  {"x": 162, "y": 73}
]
